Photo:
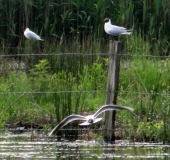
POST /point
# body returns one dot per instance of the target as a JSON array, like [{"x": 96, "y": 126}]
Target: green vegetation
[
  {"x": 145, "y": 85},
  {"x": 67, "y": 73},
  {"x": 49, "y": 95},
  {"x": 61, "y": 21}
]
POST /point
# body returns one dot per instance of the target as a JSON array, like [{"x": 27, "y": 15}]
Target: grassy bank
[
  {"x": 54, "y": 88},
  {"x": 51, "y": 95},
  {"x": 67, "y": 73}
]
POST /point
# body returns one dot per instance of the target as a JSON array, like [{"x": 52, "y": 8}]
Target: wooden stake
[{"x": 115, "y": 48}]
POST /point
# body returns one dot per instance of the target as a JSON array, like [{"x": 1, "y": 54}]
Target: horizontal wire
[
  {"x": 83, "y": 91},
  {"x": 77, "y": 129},
  {"x": 83, "y": 54},
  {"x": 54, "y": 54},
  {"x": 58, "y": 54}
]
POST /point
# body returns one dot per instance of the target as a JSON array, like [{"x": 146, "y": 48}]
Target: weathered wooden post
[{"x": 115, "y": 48}]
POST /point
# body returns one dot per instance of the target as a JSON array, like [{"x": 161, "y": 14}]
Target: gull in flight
[
  {"x": 90, "y": 119},
  {"x": 115, "y": 30},
  {"x": 31, "y": 35}
]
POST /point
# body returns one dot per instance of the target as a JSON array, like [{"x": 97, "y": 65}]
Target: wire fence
[
  {"x": 19, "y": 63},
  {"x": 8, "y": 63},
  {"x": 85, "y": 91},
  {"x": 71, "y": 80},
  {"x": 84, "y": 54}
]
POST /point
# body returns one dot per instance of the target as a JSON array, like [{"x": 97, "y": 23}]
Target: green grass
[
  {"x": 61, "y": 83},
  {"x": 64, "y": 21},
  {"x": 66, "y": 93},
  {"x": 144, "y": 85}
]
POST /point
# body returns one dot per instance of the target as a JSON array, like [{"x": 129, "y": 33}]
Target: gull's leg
[
  {"x": 89, "y": 137},
  {"x": 114, "y": 38},
  {"x": 88, "y": 132}
]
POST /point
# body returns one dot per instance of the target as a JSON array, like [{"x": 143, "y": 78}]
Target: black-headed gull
[
  {"x": 31, "y": 35},
  {"x": 90, "y": 119},
  {"x": 115, "y": 30}
]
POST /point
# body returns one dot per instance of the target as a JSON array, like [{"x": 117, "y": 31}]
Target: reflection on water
[{"x": 30, "y": 146}]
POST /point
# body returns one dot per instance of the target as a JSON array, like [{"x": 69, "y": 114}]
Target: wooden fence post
[{"x": 115, "y": 48}]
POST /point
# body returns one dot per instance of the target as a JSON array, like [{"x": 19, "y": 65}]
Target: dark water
[{"x": 30, "y": 146}]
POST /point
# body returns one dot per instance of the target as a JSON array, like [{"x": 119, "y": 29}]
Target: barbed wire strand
[
  {"x": 85, "y": 91},
  {"x": 82, "y": 54}
]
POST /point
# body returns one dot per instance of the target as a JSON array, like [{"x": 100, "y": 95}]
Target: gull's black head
[
  {"x": 90, "y": 120},
  {"x": 106, "y": 20}
]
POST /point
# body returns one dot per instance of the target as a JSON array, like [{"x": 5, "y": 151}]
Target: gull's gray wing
[
  {"x": 116, "y": 30},
  {"x": 117, "y": 27},
  {"x": 66, "y": 121},
  {"x": 33, "y": 36},
  {"x": 108, "y": 107}
]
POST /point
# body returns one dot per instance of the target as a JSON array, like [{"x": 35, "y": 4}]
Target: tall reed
[
  {"x": 63, "y": 20},
  {"x": 76, "y": 82}
]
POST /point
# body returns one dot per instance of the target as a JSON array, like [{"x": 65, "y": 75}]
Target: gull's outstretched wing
[
  {"x": 112, "y": 107},
  {"x": 66, "y": 121}
]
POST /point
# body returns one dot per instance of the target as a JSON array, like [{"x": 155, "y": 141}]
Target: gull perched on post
[
  {"x": 31, "y": 35},
  {"x": 114, "y": 30},
  {"x": 90, "y": 119}
]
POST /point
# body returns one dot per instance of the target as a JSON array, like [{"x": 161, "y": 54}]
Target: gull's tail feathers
[
  {"x": 130, "y": 31},
  {"x": 126, "y": 33}
]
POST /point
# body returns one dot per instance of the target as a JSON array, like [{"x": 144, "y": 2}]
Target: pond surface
[{"x": 30, "y": 146}]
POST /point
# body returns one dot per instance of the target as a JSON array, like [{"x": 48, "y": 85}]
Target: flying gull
[{"x": 90, "y": 119}]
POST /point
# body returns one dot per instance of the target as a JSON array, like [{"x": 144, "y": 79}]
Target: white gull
[
  {"x": 31, "y": 35},
  {"x": 90, "y": 119},
  {"x": 115, "y": 30}
]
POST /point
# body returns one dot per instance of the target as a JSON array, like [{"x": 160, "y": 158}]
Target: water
[{"x": 30, "y": 146}]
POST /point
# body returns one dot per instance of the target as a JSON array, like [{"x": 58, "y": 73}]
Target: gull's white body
[
  {"x": 86, "y": 123},
  {"x": 31, "y": 35},
  {"x": 90, "y": 119},
  {"x": 115, "y": 30}
]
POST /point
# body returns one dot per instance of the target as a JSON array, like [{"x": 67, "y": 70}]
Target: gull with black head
[
  {"x": 90, "y": 119},
  {"x": 114, "y": 30}
]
